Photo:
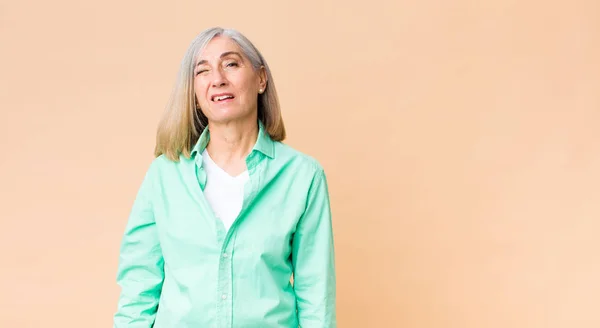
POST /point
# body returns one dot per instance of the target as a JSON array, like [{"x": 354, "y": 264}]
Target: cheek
[
  {"x": 248, "y": 86},
  {"x": 200, "y": 90}
]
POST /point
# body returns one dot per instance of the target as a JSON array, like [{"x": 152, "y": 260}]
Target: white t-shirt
[{"x": 224, "y": 193}]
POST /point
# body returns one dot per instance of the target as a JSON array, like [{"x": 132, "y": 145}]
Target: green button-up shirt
[{"x": 179, "y": 267}]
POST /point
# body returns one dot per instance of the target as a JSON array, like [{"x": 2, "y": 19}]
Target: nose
[{"x": 218, "y": 78}]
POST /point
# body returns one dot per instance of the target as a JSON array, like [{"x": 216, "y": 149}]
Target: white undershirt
[{"x": 224, "y": 193}]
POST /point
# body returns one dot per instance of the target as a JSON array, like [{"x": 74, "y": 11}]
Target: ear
[{"x": 262, "y": 78}]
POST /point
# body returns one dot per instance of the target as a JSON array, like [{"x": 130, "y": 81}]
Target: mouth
[{"x": 221, "y": 97}]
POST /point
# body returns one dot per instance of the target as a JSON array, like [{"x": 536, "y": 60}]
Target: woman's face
[{"x": 225, "y": 83}]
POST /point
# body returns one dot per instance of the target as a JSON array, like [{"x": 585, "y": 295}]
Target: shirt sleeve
[
  {"x": 140, "y": 271},
  {"x": 313, "y": 260}
]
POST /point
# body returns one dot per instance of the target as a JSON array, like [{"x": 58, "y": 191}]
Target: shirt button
[
  {"x": 225, "y": 255},
  {"x": 223, "y": 296}
]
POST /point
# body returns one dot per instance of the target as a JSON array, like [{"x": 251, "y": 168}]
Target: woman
[{"x": 227, "y": 213}]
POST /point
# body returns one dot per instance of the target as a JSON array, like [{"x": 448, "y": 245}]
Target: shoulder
[
  {"x": 162, "y": 165},
  {"x": 299, "y": 160},
  {"x": 161, "y": 162}
]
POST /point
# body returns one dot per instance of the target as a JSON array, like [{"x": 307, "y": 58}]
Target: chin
[{"x": 223, "y": 115}]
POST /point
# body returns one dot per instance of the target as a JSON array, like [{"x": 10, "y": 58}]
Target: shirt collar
[{"x": 264, "y": 143}]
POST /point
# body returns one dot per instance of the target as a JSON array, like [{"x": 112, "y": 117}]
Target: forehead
[{"x": 216, "y": 47}]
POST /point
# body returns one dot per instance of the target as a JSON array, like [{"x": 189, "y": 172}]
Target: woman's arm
[
  {"x": 140, "y": 272},
  {"x": 313, "y": 260}
]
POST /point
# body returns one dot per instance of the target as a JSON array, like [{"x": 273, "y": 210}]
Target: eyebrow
[{"x": 225, "y": 54}]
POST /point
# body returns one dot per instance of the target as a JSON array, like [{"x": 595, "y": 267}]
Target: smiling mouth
[{"x": 221, "y": 98}]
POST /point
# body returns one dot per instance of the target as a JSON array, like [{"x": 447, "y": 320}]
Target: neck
[{"x": 231, "y": 142}]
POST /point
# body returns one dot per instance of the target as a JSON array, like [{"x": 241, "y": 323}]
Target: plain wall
[{"x": 461, "y": 141}]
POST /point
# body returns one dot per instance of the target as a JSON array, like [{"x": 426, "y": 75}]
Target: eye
[
  {"x": 232, "y": 64},
  {"x": 201, "y": 71}
]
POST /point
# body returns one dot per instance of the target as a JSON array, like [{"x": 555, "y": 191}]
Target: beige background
[{"x": 460, "y": 138}]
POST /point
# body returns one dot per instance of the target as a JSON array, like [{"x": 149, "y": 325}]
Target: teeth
[{"x": 222, "y": 98}]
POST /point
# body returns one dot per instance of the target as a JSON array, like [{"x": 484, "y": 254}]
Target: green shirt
[{"x": 179, "y": 267}]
